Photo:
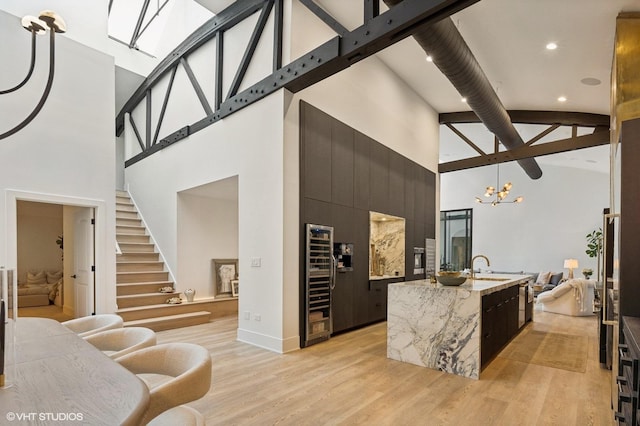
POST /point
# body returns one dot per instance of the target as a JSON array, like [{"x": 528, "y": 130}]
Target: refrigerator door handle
[{"x": 334, "y": 270}]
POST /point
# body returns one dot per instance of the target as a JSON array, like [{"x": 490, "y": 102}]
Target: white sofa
[{"x": 573, "y": 297}]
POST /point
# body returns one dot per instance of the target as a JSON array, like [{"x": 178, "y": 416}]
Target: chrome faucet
[{"x": 473, "y": 271}]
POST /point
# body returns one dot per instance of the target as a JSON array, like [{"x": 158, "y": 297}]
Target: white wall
[
  {"x": 66, "y": 155},
  {"x": 207, "y": 229},
  {"x": 550, "y": 225},
  {"x": 248, "y": 144}
]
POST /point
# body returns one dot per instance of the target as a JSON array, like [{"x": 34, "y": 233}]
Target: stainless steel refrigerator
[{"x": 319, "y": 283}]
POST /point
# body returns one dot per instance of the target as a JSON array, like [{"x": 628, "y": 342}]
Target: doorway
[{"x": 51, "y": 247}]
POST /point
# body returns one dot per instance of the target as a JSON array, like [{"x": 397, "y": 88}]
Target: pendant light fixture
[
  {"x": 494, "y": 197},
  {"x": 47, "y": 21}
]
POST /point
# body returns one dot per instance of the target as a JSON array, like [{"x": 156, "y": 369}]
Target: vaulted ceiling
[{"x": 509, "y": 38}]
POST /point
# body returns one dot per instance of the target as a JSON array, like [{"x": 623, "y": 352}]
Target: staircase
[{"x": 140, "y": 273}]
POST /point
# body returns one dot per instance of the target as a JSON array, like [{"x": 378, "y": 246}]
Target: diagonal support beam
[
  {"x": 196, "y": 86},
  {"x": 137, "y": 133},
  {"x": 251, "y": 48},
  {"x": 542, "y": 134},
  {"x": 325, "y": 17},
  {"x": 164, "y": 105},
  {"x": 466, "y": 139},
  {"x": 136, "y": 30}
]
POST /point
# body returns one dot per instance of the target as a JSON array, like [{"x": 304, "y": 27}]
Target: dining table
[{"x": 57, "y": 378}]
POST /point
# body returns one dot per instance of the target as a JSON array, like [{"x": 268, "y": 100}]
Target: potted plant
[{"x": 594, "y": 247}]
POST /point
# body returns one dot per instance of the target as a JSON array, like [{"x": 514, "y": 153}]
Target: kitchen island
[{"x": 456, "y": 329}]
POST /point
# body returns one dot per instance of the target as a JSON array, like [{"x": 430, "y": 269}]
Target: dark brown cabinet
[
  {"x": 499, "y": 321},
  {"x": 628, "y": 377},
  {"x": 344, "y": 175}
]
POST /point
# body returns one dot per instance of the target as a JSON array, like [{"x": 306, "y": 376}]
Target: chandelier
[
  {"x": 498, "y": 197},
  {"x": 51, "y": 21}
]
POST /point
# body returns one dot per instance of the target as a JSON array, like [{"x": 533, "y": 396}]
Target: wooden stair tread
[
  {"x": 157, "y": 306},
  {"x": 171, "y": 321}
]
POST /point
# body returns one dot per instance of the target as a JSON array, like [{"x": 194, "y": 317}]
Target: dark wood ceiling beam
[
  {"x": 564, "y": 118},
  {"x": 564, "y": 145}
]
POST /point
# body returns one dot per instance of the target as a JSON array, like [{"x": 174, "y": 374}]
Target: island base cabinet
[{"x": 499, "y": 322}]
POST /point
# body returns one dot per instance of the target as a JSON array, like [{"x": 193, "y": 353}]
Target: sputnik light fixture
[
  {"x": 47, "y": 21},
  {"x": 498, "y": 197}
]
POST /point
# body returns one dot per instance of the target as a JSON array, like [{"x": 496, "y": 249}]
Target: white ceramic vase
[{"x": 189, "y": 294}]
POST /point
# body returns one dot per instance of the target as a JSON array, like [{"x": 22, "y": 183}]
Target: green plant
[{"x": 594, "y": 243}]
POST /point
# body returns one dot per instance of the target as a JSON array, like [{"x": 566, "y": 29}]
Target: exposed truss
[
  {"x": 377, "y": 32},
  {"x": 554, "y": 119}
]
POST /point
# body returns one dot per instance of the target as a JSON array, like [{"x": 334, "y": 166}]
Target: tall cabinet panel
[
  {"x": 341, "y": 164},
  {"x": 361, "y": 162},
  {"x": 316, "y": 155}
]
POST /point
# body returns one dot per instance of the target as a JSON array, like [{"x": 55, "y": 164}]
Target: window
[{"x": 455, "y": 239}]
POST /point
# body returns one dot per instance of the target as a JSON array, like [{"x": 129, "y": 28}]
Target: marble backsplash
[{"x": 387, "y": 247}]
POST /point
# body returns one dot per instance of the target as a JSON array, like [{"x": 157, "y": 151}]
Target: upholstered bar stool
[
  {"x": 121, "y": 341},
  {"x": 93, "y": 324},
  {"x": 182, "y": 415},
  {"x": 175, "y": 373}
]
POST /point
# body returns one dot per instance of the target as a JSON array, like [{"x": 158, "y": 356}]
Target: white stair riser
[
  {"x": 127, "y": 277},
  {"x": 128, "y": 289},
  {"x": 140, "y": 267}
]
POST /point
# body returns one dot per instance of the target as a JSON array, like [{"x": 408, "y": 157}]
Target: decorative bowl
[{"x": 450, "y": 280}]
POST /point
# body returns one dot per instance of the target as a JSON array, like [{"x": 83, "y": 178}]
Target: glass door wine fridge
[{"x": 319, "y": 282}]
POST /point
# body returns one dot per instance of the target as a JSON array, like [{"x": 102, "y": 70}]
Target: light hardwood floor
[
  {"x": 349, "y": 380},
  {"x": 50, "y": 311}
]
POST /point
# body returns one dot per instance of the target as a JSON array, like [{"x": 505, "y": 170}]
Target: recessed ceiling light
[
  {"x": 562, "y": 99},
  {"x": 590, "y": 81},
  {"x": 552, "y": 46},
  {"x": 463, "y": 99},
  {"x": 429, "y": 58}
]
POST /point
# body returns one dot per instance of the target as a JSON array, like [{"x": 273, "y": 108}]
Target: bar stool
[
  {"x": 121, "y": 341},
  {"x": 176, "y": 373},
  {"x": 93, "y": 324}
]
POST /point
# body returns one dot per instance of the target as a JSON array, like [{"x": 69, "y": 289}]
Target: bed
[{"x": 42, "y": 288}]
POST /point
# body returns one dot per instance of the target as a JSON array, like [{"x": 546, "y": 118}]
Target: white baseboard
[{"x": 271, "y": 343}]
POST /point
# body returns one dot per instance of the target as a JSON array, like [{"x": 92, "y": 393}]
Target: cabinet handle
[{"x": 626, "y": 361}]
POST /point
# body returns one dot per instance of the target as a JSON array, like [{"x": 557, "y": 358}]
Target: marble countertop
[{"x": 484, "y": 283}]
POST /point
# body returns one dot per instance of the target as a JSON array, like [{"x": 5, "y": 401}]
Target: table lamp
[{"x": 571, "y": 264}]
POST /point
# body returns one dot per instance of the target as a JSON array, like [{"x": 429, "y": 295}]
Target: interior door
[{"x": 84, "y": 262}]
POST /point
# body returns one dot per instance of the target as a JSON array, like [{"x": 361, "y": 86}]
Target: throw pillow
[
  {"x": 543, "y": 278},
  {"x": 555, "y": 278},
  {"x": 36, "y": 277},
  {"x": 53, "y": 277}
]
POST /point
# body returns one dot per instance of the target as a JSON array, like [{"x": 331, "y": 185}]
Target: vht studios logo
[{"x": 51, "y": 417}]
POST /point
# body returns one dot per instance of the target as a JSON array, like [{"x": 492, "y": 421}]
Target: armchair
[{"x": 573, "y": 297}]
